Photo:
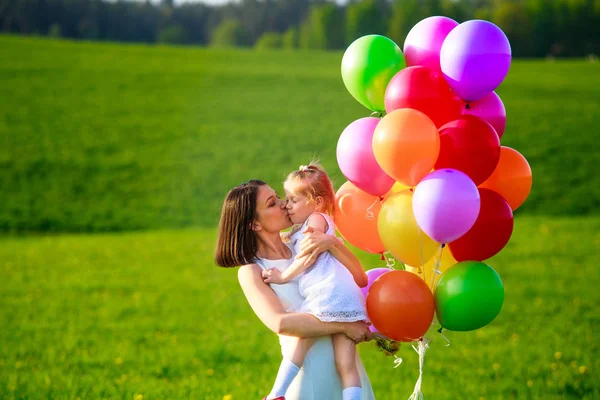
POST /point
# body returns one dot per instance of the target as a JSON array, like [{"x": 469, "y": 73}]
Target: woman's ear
[{"x": 255, "y": 226}]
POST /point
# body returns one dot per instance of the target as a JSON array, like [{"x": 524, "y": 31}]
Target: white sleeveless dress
[
  {"x": 318, "y": 378},
  {"x": 329, "y": 289}
]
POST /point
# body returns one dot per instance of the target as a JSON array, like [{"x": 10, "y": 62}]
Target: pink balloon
[
  {"x": 357, "y": 161},
  {"x": 446, "y": 204},
  {"x": 491, "y": 109},
  {"x": 372, "y": 275},
  {"x": 424, "y": 42}
]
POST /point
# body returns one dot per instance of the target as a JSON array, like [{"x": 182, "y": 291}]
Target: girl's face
[
  {"x": 271, "y": 212},
  {"x": 299, "y": 207}
]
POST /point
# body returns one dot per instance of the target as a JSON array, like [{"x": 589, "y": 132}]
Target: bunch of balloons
[{"x": 428, "y": 179}]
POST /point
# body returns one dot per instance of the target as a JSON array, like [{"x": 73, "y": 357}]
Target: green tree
[
  {"x": 405, "y": 14},
  {"x": 269, "y": 40},
  {"x": 173, "y": 34},
  {"x": 364, "y": 18},
  {"x": 513, "y": 19},
  {"x": 323, "y": 29},
  {"x": 55, "y": 31},
  {"x": 229, "y": 33},
  {"x": 290, "y": 38}
]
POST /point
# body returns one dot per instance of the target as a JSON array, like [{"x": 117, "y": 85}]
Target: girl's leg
[
  {"x": 345, "y": 362},
  {"x": 290, "y": 366}
]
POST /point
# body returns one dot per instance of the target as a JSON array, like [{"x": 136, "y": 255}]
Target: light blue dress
[{"x": 318, "y": 379}]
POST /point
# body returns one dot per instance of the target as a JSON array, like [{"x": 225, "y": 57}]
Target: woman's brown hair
[{"x": 236, "y": 242}]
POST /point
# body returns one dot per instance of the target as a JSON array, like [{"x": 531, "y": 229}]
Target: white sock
[
  {"x": 286, "y": 374},
  {"x": 352, "y": 393}
]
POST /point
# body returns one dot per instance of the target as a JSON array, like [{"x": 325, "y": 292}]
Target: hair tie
[{"x": 303, "y": 168}]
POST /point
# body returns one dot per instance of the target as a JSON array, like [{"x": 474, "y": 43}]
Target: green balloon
[
  {"x": 468, "y": 296},
  {"x": 368, "y": 65}
]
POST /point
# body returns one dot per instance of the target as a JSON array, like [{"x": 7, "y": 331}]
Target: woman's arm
[
  {"x": 268, "y": 308},
  {"x": 315, "y": 243}
]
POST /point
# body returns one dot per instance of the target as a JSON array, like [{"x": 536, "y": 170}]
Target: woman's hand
[
  {"x": 315, "y": 243},
  {"x": 358, "y": 331}
]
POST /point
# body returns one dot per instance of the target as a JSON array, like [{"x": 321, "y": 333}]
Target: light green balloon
[
  {"x": 468, "y": 296},
  {"x": 368, "y": 65}
]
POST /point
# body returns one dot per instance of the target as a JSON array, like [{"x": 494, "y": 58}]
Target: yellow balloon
[
  {"x": 428, "y": 273},
  {"x": 398, "y": 187},
  {"x": 399, "y": 232}
]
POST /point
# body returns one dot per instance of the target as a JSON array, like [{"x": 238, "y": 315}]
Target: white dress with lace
[
  {"x": 318, "y": 378},
  {"x": 330, "y": 292}
]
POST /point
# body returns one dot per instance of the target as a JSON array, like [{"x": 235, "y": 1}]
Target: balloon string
[
  {"x": 397, "y": 361},
  {"x": 370, "y": 215},
  {"x": 421, "y": 252},
  {"x": 437, "y": 261},
  {"x": 444, "y": 336},
  {"x": 376, "y": 114},
  {"x": 423, "y": 346},
  {"x": 389, "y": 261}
]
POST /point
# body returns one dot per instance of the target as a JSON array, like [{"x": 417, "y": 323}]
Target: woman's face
[{"x": 270, "y": 210}]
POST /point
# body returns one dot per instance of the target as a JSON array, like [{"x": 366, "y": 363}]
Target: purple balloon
[
  {"x": 357, "y": 161},
  {"x": 372, "y": 275},
  {"x": 446, "y": 204},
  {"x": 424, "y": 42},
  {"x": 475, "y": 59},
  {"x": 491, "y": 109}
]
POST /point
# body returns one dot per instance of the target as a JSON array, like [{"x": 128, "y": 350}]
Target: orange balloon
[
  {"x": 512, "y": 177},
  {"x": 355, "y": 217},
  {"x": 406, "y": 145},
  {"x": 400, "y": 305}
]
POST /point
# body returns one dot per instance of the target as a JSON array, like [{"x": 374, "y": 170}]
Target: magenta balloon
[
  {"x": 475, "y": 59},
  {"x": 490, "y": 109},
  {"x": 357, "y": 161},
  {"x": 424, "y": 42},
  {"x": 446, "y": 204},
  {"x": 372, "y": 275}
]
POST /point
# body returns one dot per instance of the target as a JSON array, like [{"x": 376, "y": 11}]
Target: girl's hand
[
  {"x": 272, "y": 276},
  {"x": 358, "y": 331}
]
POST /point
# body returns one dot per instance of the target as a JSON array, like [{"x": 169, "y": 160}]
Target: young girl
[{"x": 330, "y": 292}]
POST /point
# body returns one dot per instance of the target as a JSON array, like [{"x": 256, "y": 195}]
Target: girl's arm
[
  {"x": 266, "y": 305},
  {"x": 315, "y": 243}
]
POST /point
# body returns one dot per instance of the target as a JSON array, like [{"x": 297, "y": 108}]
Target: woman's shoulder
[{"x": 248, "y": 271}]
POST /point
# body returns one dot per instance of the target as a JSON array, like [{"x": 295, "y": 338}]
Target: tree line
[{"x": 535, "y": 28}]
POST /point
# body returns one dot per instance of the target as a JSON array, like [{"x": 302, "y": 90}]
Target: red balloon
[
  {"x": 425, "y": 90},
  {"x": 400, "y": 305},
  {"x": 471, "y": 145},
  {"x": 491, "y": 231}
]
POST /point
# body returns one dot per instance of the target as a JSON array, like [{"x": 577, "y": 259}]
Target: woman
[{"x": 252, "y": 217}]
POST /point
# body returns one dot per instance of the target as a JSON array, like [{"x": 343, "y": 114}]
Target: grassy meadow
[{"x": 114, "y": 160}]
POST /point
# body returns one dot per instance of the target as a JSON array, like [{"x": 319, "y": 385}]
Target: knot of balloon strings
[{"x": 423, "y": 346}]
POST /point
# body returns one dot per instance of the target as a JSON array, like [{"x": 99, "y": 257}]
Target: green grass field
[
  {"x": 98, "y": 140},
  {"x": 113, "y": 316},
  {"x": 97, "y": 137}
]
